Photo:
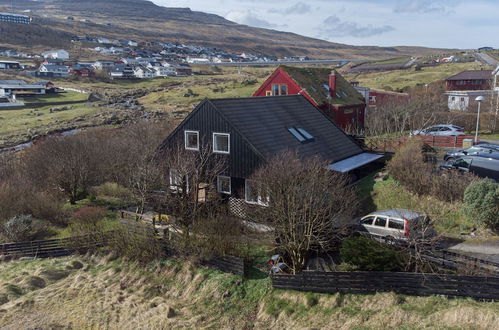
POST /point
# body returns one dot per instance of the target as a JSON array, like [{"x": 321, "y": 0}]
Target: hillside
[
  {"x": 103, "y": 292},
  {"x": 143, "y": 20}
]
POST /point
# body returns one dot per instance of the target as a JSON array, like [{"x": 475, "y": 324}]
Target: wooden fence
[
  {"x": 393, "y": 144},
  {"x": 228, "y": 264},
  {"x": 50, "y": 248},
  {"x": 416, "y": 284}
]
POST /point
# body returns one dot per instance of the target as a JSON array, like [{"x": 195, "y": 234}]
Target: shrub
[
  {"x": 135, "y": 244},
  {"x": 412, "y": 167},
  {"x": 370, "y": 255},
  {"x": 481, "y": 202},
  {"x": 112, "y": 189},
  {"x": 86, "y": 220},
  {"x": 19, "y": 228}
]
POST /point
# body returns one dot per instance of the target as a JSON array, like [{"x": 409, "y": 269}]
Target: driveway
[{"x": 488, "y": 250}]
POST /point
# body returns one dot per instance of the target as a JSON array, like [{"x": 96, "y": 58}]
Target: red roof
[{"x": 472, "y": 75}]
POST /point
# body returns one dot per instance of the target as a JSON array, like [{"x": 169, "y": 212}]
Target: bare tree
[
  {"x": 191, "y": 192},
  {"x": 67, "y": 164},
  {"x": 306, "y": 204}
]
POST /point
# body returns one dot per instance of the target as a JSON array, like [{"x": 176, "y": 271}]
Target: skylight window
[{"x": 301, "y": 134}]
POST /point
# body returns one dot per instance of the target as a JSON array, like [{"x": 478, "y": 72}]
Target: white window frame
[
  {"x": 173, "y": 185},
  {"x": 228, "y": 143},
  {"x": 186, "y": 140},
  {"x": 260, "y": 201},
  {"x": 219, "y": 185}
]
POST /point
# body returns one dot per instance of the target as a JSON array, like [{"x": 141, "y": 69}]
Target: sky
[{"x": 432, "y": 23}]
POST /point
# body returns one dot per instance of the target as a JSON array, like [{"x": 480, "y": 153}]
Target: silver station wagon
[{"x": 397, "y": 224}]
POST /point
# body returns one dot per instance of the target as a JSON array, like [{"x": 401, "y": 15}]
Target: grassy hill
[
  {"x": 104, "y": 292},
  {"x": 144, "y": 21}
]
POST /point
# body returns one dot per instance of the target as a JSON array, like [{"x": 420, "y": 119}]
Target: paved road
[
  {"x": 487, "y": 59},
  {"x": 488, "y": 250}
]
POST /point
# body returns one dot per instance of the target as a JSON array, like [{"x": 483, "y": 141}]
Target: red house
[
  {"x": 381, "y": 98},
  {"x": 82, "y": 71},
  {"x": 324, "y": 88},
  {"x": 470, "y": 80}
]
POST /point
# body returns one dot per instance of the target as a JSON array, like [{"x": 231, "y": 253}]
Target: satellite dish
[{"x": 480, "y": 98}]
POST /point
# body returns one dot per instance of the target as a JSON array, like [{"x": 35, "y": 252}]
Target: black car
[
  {"x": 476, "y": 149},
  {"x": 484, "y": 164}
]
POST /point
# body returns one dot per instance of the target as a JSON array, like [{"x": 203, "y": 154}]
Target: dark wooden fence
[
  {"x": 50, "y": 248},
  {"x": 477, "y": 287},
  {"x": 393, "y": 144},
  {"x": 228, "y": 264}
]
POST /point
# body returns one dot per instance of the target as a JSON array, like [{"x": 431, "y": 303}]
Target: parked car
[
  {"x": 483, "y": 164},
  {"x": 397, "y": 224},
  {"x": 479, "y": 148},
  {"x": 440, "y": 130}
]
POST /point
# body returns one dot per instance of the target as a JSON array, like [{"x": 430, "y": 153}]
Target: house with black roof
[{"x": 251, "y": 131}]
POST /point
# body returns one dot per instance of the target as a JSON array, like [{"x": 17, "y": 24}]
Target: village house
[
  {"x": 465, "y": 86},
  {"x": 324, "y": 88},
  {"x": 376, "y": 97},
  {"x": 16, "y": 88},
  {"x": 60, "y": 54},
  {"x": 103, "y": 64},
  {"x": 10, "y": 65},
  {"x": 143, "y": 72},
  {"x": 82, "y": 70},
  {"x": 53, "y": 70},
  {"x": 248, "y": 132},
  {"x": 121, "y": 71},
  {"x": 15, "y": 18}
]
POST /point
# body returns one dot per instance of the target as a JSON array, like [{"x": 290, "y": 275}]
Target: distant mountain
[{"x": 144, "y": 21}]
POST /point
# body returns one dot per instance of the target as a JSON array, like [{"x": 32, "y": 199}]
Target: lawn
[
  {"x": 399, "y": 79},
  {"x": 27, "y": 122},
  {"x": 68, "y": 96}
]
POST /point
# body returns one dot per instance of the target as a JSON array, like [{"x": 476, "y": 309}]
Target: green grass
[
  {"x": 68, "y": 96},
  {"x": 398, "y": 79}
]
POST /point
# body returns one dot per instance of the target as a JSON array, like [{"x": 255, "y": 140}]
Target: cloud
[
  {"x": 333, "y": 27},
  {"x": 299, "y": 8},
  {"x": 249, "y": 18},
  {"x": 419, "y": 7}
]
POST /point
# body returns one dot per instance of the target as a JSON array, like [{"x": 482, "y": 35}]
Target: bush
[
  {"x": 481, "y": 203},
  {"x": 135, "y": 243},
  {"x": 86, "y": 220},
  {"x": 19, "y": 228},
  {"x": 217, "y": 237},
  {"x": 411, "y": 168},
  {"x": 370, "y": 255},
  {"x": 112, "y": 189}
]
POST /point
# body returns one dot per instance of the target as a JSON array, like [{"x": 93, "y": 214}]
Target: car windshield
[{"x": 462, "y": 162}]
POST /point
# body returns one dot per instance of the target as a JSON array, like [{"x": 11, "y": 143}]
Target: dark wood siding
[{"x": 242, "y": 160}]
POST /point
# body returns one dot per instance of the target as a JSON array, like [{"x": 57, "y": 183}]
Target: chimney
[{"x": 332, "y": 84}]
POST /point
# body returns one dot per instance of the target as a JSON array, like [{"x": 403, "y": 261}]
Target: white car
[{"x": 440, "y": 130}]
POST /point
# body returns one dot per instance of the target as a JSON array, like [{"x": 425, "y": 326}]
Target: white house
[
  {"x": 163, "y": 71},
  {"x": 142, "y": 72},
  {"x": 55, "y": 70},
  {"x": 56, "y": 54}
]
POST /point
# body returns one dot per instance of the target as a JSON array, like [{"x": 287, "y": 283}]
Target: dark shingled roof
[
  {"x": 264, "y": 122},
  {"x": 313, "y": 81},
  {"x": 472, "y": 75}
]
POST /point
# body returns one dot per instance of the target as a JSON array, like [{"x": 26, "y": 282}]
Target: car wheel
[
  {"x": 390, "y": 240},
  {"x": 450, "y": 159}
]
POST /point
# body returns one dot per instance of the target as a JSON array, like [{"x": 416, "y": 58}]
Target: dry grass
[{"x": 99, "y": 292}]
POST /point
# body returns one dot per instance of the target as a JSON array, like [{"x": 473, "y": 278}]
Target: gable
[{"x": 205, "y": 118}]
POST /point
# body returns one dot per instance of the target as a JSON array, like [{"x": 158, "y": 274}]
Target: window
[
  {"x": 268, "y": 93},
  {"x": 253, "y": 193},
  {"x": 221, "y": 143},
  {"x": 275, "y": 89},
  {"x": 301, "y": 134},
  {"x": 191, "y": 140},
  {"x": 223, "y": 184},
  {"x": 178, "y": 181},
  {"x": 396, "y": 224},
  {"x": 279, "y": 89},
  {"x": 462, "y": 99},
  {"x": 380, "y": 222},
  {"x": 462, "y": 162},
  {"x": 284, "y": 89},
  {"x": 453, "y": 98},
  {"x": 367, "y": 221}
]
